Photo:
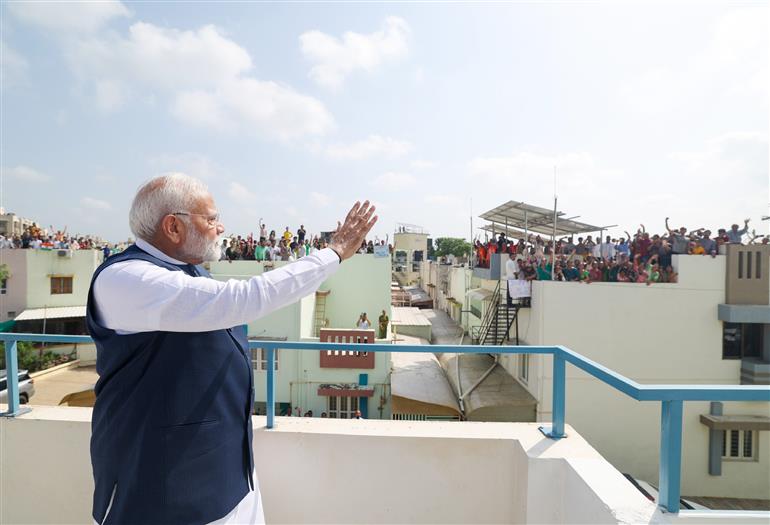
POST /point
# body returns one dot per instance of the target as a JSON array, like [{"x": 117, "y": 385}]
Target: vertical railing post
[
  {"x": 670, "y": 455},
  {"x": 270, "y": 386},
  {"x": 12, "y": 378},
  {"x": 556, "y": 431}
]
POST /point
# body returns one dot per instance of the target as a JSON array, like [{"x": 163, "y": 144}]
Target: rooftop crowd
[
  {"x": 36, "y": 238},
  {"x": 641, "y": 258},
  {"x": 286, "y": 246}
]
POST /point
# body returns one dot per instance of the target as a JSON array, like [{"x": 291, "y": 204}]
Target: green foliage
[
  {"x": 5, "y": 273},
  {"x": 34, "y": 359},
  {"x": 452, "y": 245}
]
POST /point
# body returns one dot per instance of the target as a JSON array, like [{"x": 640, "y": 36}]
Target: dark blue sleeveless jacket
[{"x": 171, "y": 427}]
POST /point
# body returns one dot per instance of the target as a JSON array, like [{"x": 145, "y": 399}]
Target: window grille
[{"x": 739, "y": 445}]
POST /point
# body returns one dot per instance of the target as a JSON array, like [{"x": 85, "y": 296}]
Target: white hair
[{"x": 161, "y": 196}]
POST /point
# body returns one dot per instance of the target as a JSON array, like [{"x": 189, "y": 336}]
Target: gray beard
[{"x": 197, "y": 247}]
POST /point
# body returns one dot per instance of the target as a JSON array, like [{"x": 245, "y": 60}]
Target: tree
[{"x": 452, "y": 245}]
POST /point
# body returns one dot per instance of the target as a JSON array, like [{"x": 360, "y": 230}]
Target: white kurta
[{"x": 138, "y": 296}]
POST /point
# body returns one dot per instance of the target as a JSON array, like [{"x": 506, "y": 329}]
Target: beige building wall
[
  {"x": 409, "y": 243},
  {"x": 748, "y": 274},
  {"x": 663, "y": 333}
]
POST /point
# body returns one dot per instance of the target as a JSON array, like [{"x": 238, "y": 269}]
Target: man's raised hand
[{"x": 350, "y": 234}]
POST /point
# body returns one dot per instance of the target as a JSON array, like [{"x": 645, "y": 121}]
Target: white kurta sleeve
[{"x": 138, "y": 296}]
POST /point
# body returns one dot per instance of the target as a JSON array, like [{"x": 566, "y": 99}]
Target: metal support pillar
[
  {"x": 12, "y": 379},
  {"x": 270, "y": 387},
  {"x": 670, "y": 455},
  {"x": 556, "y": 430}
]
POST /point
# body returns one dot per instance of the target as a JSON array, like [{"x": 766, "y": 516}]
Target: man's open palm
[{"x": 350, "y": 234}]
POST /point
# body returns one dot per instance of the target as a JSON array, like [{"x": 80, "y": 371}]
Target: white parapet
[{"x": 314, "y": 470}]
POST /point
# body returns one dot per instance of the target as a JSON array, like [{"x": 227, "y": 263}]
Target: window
[
  {"x": 342, "y": 407},
  {"x": 259, "y": 359},
  {"x": 741, "y": 340},
  {"x": 759, "y": 265},
  {"x": 11, "y": 314},
  {"x": 748, "y": 265},
  {"x": 740, "y": 265},
  {"x": 524, "y": 367},
  {"x": 3, "y": 286},
  {"x": 739, "y": 445},
  {"x": 61, "y": 285}
]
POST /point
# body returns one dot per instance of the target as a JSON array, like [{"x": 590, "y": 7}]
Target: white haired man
[{"x": 171, "y": 427}]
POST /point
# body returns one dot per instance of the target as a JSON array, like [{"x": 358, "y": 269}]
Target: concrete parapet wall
[{"x": 346, "y": 471}]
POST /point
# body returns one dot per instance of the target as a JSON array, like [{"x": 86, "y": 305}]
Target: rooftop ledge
[{"x": 359, "y": 471}]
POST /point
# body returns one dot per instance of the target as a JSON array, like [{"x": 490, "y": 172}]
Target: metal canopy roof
[
  {"x": 521, "y": 216},
  {"x": 56, "y": 312}
]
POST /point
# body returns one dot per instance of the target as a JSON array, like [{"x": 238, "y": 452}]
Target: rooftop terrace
[{"x": 344, "y": 471}]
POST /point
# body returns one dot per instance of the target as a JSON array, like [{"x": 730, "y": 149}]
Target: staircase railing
[
  {"x": 490, "y": 315},
  {"x": 491, "y": 322}
]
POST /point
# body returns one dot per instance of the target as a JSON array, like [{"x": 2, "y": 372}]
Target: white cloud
[
  {"x": 424, "y": 164},
  {"x": 262, "y": 107},
  {"x": 334, "y": 58},
  {"x": 733, "y": 166},
  {"x": 733, "y": 65},
  {"x": 192, "y": 164},
  {"x": 442, "y": 199},
  {"x": 241, "y": 194},
  {"x": 201, "y": 75},
  {"x": 319, "y": 199},
  {"x": 529, "y": 176},
  {"x": 392, "y": 181},
  {"x": 372, "y": 146},
  {"x": 69, "y": 16},
  {"x": 95, "y": 204},
  {"x": 110, "y": 95},
  {"x": 13, "y": 66},
  {"x": 526, "y": 167},
  {"x": 25, "y": 174}
]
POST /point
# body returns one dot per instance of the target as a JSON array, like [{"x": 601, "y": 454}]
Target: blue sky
[{"x": 292, "y": 111}]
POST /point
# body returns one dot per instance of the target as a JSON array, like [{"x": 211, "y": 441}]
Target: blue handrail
[{"x": 672, "y": 397}]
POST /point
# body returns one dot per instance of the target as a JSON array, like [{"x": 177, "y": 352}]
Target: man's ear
[{"x": 171, "y": 229}]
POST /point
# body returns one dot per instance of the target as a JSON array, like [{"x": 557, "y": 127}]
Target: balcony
[
  {"x": 354, "y": 471},
  {"x": 347, "y": 357}
]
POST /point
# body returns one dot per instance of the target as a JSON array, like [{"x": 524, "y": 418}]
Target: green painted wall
[{"x": 361, "y": 284}]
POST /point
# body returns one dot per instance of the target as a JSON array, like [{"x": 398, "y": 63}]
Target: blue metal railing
[{"x": 672, "y": 397}]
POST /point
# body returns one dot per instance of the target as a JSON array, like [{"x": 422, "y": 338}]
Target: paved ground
[{"x": 50, "y": 388}]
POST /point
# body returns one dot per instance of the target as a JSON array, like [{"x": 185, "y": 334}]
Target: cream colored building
[
  {"x": 663, "y": 333},
  {"x": 11, "y": 224},
  {"x": 49, "y": 285},
  {"x": 410, "y": 249}
]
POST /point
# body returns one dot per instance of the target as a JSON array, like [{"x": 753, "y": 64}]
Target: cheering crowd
[
  {"x": 36, "y": 238},
  {"x": 288, "y": 246},
  {"x": 644, "y": 259}
]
